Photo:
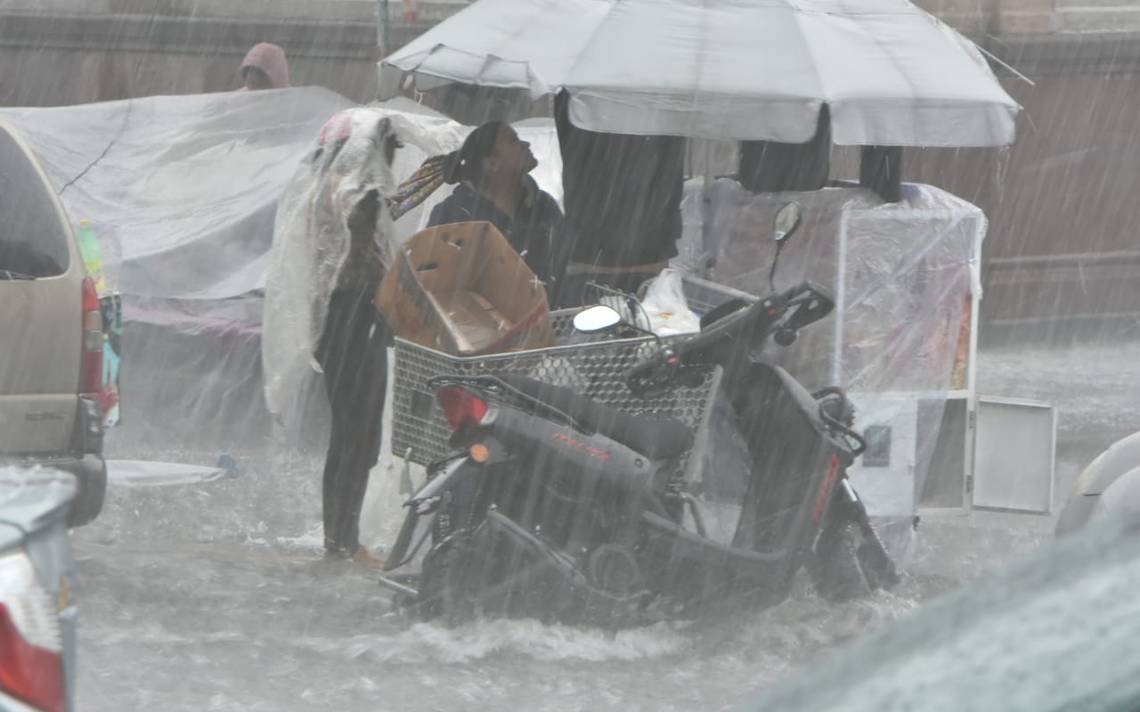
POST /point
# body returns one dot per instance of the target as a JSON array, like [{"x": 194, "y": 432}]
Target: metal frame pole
[{"x": 383, "y": 28}]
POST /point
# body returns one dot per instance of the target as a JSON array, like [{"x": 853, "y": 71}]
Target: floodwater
[{"x": 216, "y": 597}]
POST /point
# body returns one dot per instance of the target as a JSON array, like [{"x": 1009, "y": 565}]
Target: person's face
[
  {"x": 254, "y": 79},
  {"x": 512, "y": 155}
]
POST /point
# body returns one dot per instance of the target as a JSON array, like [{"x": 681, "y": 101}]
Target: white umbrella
[{"x": 890, "y": 73}]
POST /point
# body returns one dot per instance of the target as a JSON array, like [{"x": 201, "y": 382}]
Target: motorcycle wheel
[
  {"x": 441, "y": 593},
  {"x": 835, "y": 567},
  {"x": 469, "y": 576},
  {"x": 877, "y": 566}
]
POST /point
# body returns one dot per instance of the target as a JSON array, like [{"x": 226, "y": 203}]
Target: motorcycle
[{"x": 558, "y": 507}]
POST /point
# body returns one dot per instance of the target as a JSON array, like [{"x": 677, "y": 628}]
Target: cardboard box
[{"x": 462, "y": 289}]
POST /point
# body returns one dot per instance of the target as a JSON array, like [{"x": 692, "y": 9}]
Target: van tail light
[
  {"x": 91, "y": 365},
  {"x": 31, "y": 642},
  {"x": 461, "y": 407}
]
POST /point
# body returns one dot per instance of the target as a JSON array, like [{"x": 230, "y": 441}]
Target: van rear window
[{"x": 33, "y": 243}]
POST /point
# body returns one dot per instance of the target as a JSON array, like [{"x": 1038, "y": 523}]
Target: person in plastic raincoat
[
  {"x": 333, "y": 223},
  {"x": 353, "y": 353}
]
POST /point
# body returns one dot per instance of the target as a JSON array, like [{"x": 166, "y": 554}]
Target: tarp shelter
[
  {"x": 890, "y": 73},
  {"x": 183, "y": 192}
]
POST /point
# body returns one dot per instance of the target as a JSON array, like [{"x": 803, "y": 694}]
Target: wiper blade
[{"x": 12, "y": 275}]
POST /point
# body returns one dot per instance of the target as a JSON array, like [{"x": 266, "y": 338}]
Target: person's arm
[
  {"x": 362, "y": 218},
  {"x": 365, "y": 262}
]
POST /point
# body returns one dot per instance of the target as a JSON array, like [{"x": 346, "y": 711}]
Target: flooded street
[
  {"x": 702, "y": 302},
  {"x": 216, "y": 597},
  {"x": 231, "y": 626}
]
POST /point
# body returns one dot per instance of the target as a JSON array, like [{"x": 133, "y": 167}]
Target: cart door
[{"x": 1014, "y": 455}]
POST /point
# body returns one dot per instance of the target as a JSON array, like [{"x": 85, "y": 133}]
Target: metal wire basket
[{"x": 594, "y": 366}]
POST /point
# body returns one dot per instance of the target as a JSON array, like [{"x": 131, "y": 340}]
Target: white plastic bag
[{"x": 667, "y": 307}]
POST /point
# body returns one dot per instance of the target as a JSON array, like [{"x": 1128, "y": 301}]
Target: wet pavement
[{"x": 216, "y": 597}]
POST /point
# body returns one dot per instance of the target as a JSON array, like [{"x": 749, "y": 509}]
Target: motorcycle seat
[{"x": 656, "y": 438}]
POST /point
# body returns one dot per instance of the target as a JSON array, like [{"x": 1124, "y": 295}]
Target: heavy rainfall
[{"x": 569, "y": 355}]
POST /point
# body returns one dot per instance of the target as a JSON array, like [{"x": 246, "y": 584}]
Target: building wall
[
  {"x": 1062, "y": 257},
  {"x": 73, "y": 51},
  {"x": 1061, "y": 200}
]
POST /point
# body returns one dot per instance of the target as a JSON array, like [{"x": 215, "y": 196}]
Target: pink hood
[{"x": 270, "y": 59}]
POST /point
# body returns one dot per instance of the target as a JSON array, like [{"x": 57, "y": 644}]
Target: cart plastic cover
[{"x": 903, "y": 275}]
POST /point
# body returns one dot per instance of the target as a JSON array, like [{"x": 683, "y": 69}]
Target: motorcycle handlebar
[
  {"x": 810, "y": 302},
  {"x": 652, "y": 373}
]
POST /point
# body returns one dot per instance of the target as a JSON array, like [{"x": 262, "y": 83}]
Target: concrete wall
[
  {"x": 980, "y": 17},
  {"x": 1061, "y": 201},
  {"x": 73, "y": 51},
  {"x": 1033, "y": 17},
  {"x": 1062, "y": 259}
]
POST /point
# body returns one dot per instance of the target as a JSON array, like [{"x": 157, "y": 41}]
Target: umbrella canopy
[{"x": 890, "y": 73}]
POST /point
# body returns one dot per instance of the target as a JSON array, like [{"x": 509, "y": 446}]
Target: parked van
[{"x": 51, "y": 334}]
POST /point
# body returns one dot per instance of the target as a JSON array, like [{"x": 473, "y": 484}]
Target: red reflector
[
  {"x": 91, "y": 364},
  {"x": 825, "y": 489},
  {"x": 90, "y": 296},
  {"x": 460, "y": 407},
  {"x": 28, "y": 672}
]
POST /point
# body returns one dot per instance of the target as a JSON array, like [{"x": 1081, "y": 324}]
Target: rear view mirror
[
  {"x": 786, "y": 222},
  {"x": 595, "y": 319}
]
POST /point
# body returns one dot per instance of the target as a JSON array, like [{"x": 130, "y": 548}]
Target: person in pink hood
[{"x": 265, "y": 67}]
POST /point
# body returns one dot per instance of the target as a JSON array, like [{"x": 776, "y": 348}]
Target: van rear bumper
[{"x": 91, "y": 473}]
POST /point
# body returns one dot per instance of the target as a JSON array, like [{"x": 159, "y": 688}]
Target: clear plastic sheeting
[
  {"x": 182, "y": 191},
  {"x": 904, "y": 276},
  {"x": 311, "y": 236},
  {"x": 187, "y": 184}
]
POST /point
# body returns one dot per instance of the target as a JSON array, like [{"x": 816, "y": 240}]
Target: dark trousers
[{"x": 353, "y": 353}]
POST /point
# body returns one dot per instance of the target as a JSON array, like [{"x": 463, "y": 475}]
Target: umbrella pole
[
  {"x": 706, "y": 209},
  {"x": 383, "y": 32}
]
